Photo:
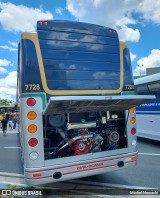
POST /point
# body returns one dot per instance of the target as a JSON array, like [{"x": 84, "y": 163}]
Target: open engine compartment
[{"x": 81, "y": 133}]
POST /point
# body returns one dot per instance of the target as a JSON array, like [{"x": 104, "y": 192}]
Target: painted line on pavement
[
  {"x": 11, "y": 175},
  {"x": 96, "y": 184},
  {"x": 149, "y": 154},
  {"x": 10, "y": 132},
  {"x": 12, "y": 147},
  {"x": 13, "y": 183}
]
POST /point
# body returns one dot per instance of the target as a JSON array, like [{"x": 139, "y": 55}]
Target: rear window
[{"x": 79, "y": 56}]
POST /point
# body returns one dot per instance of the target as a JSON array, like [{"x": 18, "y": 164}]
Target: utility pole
[{"x": 140, "y": 66}]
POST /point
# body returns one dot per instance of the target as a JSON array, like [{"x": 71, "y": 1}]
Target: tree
[{"x": 5, "y": 102}]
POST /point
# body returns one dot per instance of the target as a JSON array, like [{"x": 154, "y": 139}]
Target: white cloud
[
  {"x": 8, "y": 48},
  {"x": 124, "y": 21},
  {"x": 14, "y": 44},
  {"x": 59, "y": 11},
  {"x": 150, "y": 10},
  {"x": 4, "y": 62},
  {"x": 8, "y": 86},
  {"x": 128, "y": 34},
  {"x": 117, "y": 14},
  {"x": 21, "y": 18},
  {"x": 152, "y": 60},
  {"x": 98, "y": 11},
  {"x": 2, "y": 71},
  {"x": 133, "y": 56}
]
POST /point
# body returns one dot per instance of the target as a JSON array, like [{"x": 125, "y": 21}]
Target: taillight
[
  {"x": 33, "y": 142},
  {"x": 32, "y": 128},
  {"x": 112, "y": 31},
  {"x": 31, "y": 102},
  {"x": 133, "y": 131},
  {"x": 132, "y": 120},
  {"x": 40, "y": 23},
  {"x": 31, "y": 115},
  {"x": 45, "y": 23},
  {"x": 132, "y": 110}
]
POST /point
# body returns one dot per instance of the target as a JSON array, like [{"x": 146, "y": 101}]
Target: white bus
[
  {"x": 148, "y": 114},
  {"x": 75, "y": 90}
]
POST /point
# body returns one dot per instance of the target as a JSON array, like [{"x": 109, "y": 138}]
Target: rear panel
[{"x": 79, "y": 57}]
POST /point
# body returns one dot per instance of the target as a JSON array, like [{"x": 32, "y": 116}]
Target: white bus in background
[{"x": 148, "y": 114}]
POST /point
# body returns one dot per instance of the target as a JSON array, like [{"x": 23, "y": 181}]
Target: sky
[{"x": 136, "y": 21}]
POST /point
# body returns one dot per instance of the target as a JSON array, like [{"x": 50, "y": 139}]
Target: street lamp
[{"x": 140, "y": 66}]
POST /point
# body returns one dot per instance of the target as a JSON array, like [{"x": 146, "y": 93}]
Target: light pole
[{"x": 140, "y": 66}]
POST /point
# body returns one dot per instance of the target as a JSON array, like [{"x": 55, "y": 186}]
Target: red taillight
[
  {"x": 33, "y": 142},
  {"x": 133, "y": 131},
  {"x": 40, "y": 22},
  {"x": 45, "y": 23},
  {"x": 31, "y": 102}
]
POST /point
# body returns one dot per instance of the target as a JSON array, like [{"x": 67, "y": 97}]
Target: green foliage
[{"x": 5, "y": 102}]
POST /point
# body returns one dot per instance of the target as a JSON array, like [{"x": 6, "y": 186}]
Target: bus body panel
[
  {"x": 38, "y": 133},
  {"x": 148, "y": 126},
  {"x": 67, "y": 171}
]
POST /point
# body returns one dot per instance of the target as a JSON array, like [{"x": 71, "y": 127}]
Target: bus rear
[{"x": 77, "y": 102}]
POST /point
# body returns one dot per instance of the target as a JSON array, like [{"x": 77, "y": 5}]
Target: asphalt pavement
[
  {"x": 145, "y": 174},
  {"x": 10, "y": 153}
]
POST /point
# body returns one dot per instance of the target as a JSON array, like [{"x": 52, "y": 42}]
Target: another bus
[
  {"x": 148, "y": 114},
  {"x": 76, "y": 96}
]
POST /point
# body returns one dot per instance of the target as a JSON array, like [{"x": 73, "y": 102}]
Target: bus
[
  {"x": 148, "y": 114},
  {"x": 76, "y": 99}
]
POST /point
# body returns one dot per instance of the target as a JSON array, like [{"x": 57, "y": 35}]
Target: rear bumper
[{"x": 56, "y": 173}]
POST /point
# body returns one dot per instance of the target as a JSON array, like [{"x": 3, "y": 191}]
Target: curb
[{"x": 11, "y": 175}]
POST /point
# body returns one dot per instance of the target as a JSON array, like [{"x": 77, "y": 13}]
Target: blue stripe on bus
[
  {"x": 153, "y": 105},
  {"x": 148, "y": 112}
]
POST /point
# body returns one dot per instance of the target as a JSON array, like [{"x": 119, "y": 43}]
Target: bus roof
[{"x": 147, "y": 79}]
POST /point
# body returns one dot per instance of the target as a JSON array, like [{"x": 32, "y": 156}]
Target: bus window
[
  {"x": 154, "y": 89},
  {"x": 142, "y": 89}
]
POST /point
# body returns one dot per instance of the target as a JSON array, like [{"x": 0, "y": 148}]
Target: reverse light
[
  {"x": 31, "y": 102},
  {"x": 33, "y": 142},
  {"x": 33, "y": 156},
  {"x": 132, "y": 120},
  {"x": 133, "y": 131},
  {"x": 32, "y": 128},
  {"x": 31, "y": 115},
  {"x": 132, "y": 110}
]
